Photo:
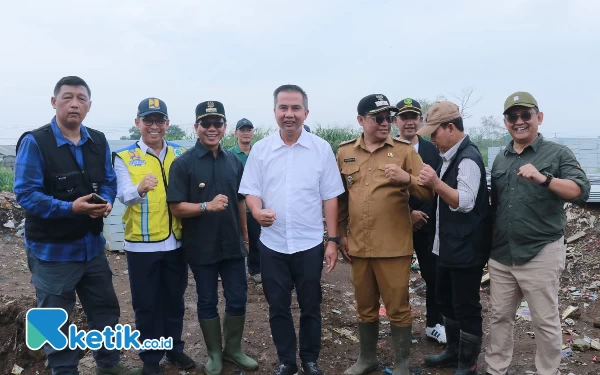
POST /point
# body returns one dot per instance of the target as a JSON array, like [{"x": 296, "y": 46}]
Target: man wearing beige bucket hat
[{"x": 462, "y": 234}]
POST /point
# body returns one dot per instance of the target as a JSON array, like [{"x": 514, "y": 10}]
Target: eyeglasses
[
  {"x": 380, "y": 119},
  {"x": 208, "y": 124},
  {"x": 150, "y": 121},
  {"x": 513, "y": 117}
]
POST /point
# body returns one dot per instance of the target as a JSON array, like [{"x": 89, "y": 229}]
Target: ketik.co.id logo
[{"x": 43, "y": 325}]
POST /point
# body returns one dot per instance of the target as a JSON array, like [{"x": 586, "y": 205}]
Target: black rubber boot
[{"x": 449, "y": 357}]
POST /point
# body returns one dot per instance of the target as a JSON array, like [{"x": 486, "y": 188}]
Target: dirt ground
[{"x": 339, "y": 317}]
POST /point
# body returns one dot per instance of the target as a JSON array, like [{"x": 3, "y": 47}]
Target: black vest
[
  {"x": 66, "y": 181},
  {"x": 465, "y": 238}
]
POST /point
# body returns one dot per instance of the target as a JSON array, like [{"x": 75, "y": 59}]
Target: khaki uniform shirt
[{"x": 374, "y": 209}]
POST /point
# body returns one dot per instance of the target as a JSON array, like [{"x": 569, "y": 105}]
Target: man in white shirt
[
  {"x": 291, "y": 179},
  {"x": 157, "y": 267}
]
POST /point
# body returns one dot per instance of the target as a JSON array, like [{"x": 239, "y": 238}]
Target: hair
[
  {"x": 291, "y": 88},
  {"x": 457, "y": 122},
  {"x": 536, "y": 109},
  {"x": 71, "y": 81}
]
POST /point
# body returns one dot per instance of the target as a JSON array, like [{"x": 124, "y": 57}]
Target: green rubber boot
[{"x": 233, "y": 328}]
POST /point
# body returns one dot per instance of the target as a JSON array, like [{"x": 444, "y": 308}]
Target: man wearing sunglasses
[
  {"x": 408, "y": 120},
  {"x": 462, "y": 235},
  {"x": 291, "y": 182},
  {"x": 203, "y": 193},
  {"x": 379, "y": 174},
  {"x": 531, "y": 180},
  {"x": 157, "y": 267}
]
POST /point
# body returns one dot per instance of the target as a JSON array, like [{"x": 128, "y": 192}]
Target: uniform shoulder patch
[
  {"x": 401, "y": 140},
  {"x": 348, "y": 142}
]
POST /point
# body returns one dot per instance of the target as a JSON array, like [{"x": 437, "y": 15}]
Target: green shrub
[{"x": 7, "y": 179}]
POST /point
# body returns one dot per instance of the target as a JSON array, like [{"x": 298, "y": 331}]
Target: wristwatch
[
  {"x": 549, "y": 178},
  {"x": 334, "y": 239},
  {"x": 203, "y": 207}
]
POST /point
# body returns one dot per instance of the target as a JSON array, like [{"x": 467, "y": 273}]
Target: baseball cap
[
  {"x": 244, "y": 122},
  {"x": 520, "y": 98},
  {"x": 152, "y": 105},
  {"x": 438, "y": 114},
  {"x": 408, "y": 105},
  {"x": 374, "y": 103},
  {"x": 210, "y": 108}
]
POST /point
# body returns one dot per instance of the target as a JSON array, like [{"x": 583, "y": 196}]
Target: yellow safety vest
[{"x": 150, "y": 221}]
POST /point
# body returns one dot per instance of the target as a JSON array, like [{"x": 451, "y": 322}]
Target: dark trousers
[
  {"x": 427, "y": 263},
  {"x": 457, "y": 293},
  {"x": 280, "y": 273},
  {"x": 158, "y": 281},
  {"x": 235, "y": 287},
  {"x": 57, "y": 283},
  {"x": 253, "y": 236}
]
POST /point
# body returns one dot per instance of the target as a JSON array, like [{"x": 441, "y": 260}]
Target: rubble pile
[{"x": 12, "y": 216}]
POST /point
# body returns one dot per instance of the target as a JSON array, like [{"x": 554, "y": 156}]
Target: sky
[{"x": 237, "y": 52}]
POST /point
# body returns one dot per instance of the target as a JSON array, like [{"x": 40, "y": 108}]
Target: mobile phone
[{"x": 96, "y": 199}]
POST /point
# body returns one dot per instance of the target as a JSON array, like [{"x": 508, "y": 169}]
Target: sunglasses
[
  {"x": 380, "y": 119},
  {"x": 513, "y": 117},
  {"x": 150, "y": 121},
  {"x": 208, "y": 124}
]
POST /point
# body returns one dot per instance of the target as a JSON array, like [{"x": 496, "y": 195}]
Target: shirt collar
[
  {"x": 201, "y": 150},
  {"x": 304, "y": 140},
  {"x": 449, "y": 155},
  {"x": 534, "y": 145},
  {"x": 62, "y": 140},
  {"x": 237, "y": 150},
  {"x": 144, "y": 147},
  {"x": 360, "y": 142}
]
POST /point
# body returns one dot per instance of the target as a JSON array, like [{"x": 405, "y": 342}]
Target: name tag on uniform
[{"x": 348, "y": 160}]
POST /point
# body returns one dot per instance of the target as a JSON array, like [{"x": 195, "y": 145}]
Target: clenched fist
[
  {"x": 530, "y": 173},
  {"x": 428, "y": 176},
  {"x": 220, "y": 203},
  {"x": 148, "y": 183},
  {"x": 265, "y": 217},
  {"x": 396, "y": 174}
]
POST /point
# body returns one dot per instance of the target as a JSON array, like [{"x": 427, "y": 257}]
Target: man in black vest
[
  {"x": 408, "y": 119},
  {"x": 462, "y": 235},
  {"x": 58, "y": 169}
]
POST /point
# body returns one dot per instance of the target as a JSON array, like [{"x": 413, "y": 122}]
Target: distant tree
[
  {"x": 335, "y": 136},
  {"x": 134, "y": 134},
  {"x": 489, "y": 133},
  {"x": 427, "y": 103},
  {"x": 466, "y": 101}
]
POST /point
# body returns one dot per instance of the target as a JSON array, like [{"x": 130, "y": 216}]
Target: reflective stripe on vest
[{"x": 150, "y": 221}]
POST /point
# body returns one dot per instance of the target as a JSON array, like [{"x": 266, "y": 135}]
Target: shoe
[
  {"x": 118, "y": 369},
  {"x": 311, "y": 368},
  {"x": 181, "y": 360},
  {"x": 401, "y": 340},
  {"x": 368, "y": 334},
  {"x": 211, "y": 331},
  {"x": 257, "y": 278},
  {"x": 449, "y": 357},
  {"x": 151, "y": 369},
  {"x": 437, "y": 333},
  {"x": 468, "y": 352},
  {"x": 233, "y": 328},
  {"x": 287, "y": 370}
]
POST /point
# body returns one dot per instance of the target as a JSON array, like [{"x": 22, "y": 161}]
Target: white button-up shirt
[
  {"x": 128, "y": 195},
  {"x": 292, "y": 181}
]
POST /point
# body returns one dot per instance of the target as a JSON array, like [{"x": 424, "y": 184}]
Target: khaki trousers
[
  {"x": 537, "y": 281},
  {"x": 385, "y": 277}
]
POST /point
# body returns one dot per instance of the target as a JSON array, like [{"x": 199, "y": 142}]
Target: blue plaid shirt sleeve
[
  {"x": 29, "y": 184},
  {"x": 108, "y": 190}
]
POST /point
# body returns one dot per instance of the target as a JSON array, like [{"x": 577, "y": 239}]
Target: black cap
[
  {"x": 306, "y": 128},
  {"x": 152, "y": 105},
  {"x": 242, "y": 123},
  {"x": 209, "y": 108},
  {"x": 374, "y": 103},
  {"x": 409, "y": 105}
]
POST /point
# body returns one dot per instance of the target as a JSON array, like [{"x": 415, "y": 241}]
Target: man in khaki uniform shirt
[{"x": 379, "y": 173}]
